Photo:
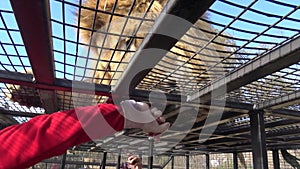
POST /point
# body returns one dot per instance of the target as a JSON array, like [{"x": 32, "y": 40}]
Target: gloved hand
[
  {"x": 139, "y": 115},
  {"x": 134, "y": 162}
]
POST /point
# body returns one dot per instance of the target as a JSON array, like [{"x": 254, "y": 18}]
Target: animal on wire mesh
[
  {"x": 108, "y": 52},
  {"x": 112, "y": 30},
  {"x": 101, "y": 23}
]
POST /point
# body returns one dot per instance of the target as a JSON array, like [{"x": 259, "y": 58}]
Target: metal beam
[
  {"x": 267, "y": 64},
  {"x": 233, "y": 141},
  {"x": 226, "y": 117},
  {"x": 259, "y": 150},
  {"x": 244, "y": 129},
  {"x": 18, "y": 113},
  {"x": 33, "y": 18},
  {"x": 104, "y": 90},
  {"x": 15, "y": 77},
  {"x": 76, "y": 162},
  {"x": 280, "y": 102},
  {"x": 59, "y": 84},
  {"x": 162, "y": 37},
  {"x": 285, "y": 113}
]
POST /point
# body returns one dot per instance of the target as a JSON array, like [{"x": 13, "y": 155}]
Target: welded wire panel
[
  {"x": 14, "y": 59},
  {"x": 23, "y": 95},
  {"x": 278, "y": 84},
  {"x": 229, "y": 36},
  {"x": 234, "y": 124},
  {"x": 284, "y": 129},
  {"x": 295, "y": 107},
  {"x": 244, "y": 122},
  {"x": 71, "y": 100},
  {"x": 8, "y": 104},
  {"x": 184, "y": 69},
  {"x": 284, "y": 163},
  {"x": 221, "y": 160},
  {"x": 12, "y": 50},
  {"x": 17, "y": 104},
  {"x": 94, "y": 41}
]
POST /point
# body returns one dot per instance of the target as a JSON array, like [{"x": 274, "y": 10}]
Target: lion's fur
[
  {"x": 122, "y": 7},
  {"x": 108, "y": 72},
  {"x": 106, "y": 68}
]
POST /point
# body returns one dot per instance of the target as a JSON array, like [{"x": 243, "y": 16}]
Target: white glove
[
  {"x": 134, "y": 162},
  {"x": 139, "y": 115}
]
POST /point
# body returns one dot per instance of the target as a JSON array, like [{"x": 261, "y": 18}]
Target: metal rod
[
  {"x": 235, "y": 160},
  {"x": 150, "y": 155},
  {"x": 172, "y": 164},
  {"x": 187, "y": 161},
  {"x": 259, "y": 150},
  {"x": 103, "y": 163},
  {"x": 63, "y": 161},
  {"x": 276, "y": 162},
  {"x": 167, "y": 162},
  {"x": 207, "y": 160},
  {"x": 119, "y": 160}
]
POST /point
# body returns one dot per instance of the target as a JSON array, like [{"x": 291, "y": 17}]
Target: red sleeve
[{"x": 50, "y": 135}]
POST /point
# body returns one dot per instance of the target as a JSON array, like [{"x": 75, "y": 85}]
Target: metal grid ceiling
[{"x": 235, "y": 36}]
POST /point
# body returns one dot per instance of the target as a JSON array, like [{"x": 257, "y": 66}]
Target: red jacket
[{"x": 49, "y": 135}]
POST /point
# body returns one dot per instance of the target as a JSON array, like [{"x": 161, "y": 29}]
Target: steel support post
[
  {"x": 172, "y": 163},
  {"x": 150, "y": 155},
  {"x": 187, "y": 161},
  {"x": 119, "y": 160},
  {"x": 103, "y": 163},
  {"x": 258, "y": 136},
  {"x": 207, "y": 161},
  {"x": 235, "y": 161},
  {"x": 63, "y": 161},
  {"x": 276, "y": 162}
]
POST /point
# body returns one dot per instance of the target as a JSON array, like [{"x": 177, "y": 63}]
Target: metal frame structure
[{"x": 258, "y": 73}]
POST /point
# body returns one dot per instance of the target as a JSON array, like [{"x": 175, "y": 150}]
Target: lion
[
  {"x": 111, "y": 53},
  {"x": 100, "y": 26}
]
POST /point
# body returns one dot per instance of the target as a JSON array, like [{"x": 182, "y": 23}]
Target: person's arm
[{"x": 50, "y": 135}]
